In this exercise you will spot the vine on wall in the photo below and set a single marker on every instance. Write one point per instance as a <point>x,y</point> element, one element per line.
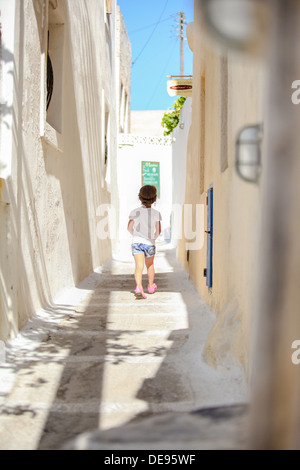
<point>171,120</point>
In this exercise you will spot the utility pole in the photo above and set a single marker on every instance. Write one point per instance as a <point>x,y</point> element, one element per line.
<point>181,22</point>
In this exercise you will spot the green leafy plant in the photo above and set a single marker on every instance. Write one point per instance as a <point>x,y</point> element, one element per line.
<point>171,120</point>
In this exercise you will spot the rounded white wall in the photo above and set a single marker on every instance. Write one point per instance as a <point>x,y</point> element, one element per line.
<point>179,155</point>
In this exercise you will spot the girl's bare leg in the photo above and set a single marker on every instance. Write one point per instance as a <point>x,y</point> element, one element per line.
<point>139,267</point>
<point>150,270</point>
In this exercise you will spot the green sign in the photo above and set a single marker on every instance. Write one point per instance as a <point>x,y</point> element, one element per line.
<point>151,175</point>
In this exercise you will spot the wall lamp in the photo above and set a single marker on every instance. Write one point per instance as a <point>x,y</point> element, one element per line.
<point>239,24</point>
<point>248,153</point>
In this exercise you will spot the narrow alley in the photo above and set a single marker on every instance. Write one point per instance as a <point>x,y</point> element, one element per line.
<point>98,361</point>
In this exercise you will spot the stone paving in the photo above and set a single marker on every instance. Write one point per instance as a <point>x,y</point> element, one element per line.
<point>99,369</point>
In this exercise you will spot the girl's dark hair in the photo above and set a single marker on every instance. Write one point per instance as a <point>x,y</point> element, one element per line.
<point>148,194</point>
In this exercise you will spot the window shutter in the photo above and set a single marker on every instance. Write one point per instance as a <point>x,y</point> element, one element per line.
<point>109,7</point>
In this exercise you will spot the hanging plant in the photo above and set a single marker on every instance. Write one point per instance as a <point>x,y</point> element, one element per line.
<point>171,120</point>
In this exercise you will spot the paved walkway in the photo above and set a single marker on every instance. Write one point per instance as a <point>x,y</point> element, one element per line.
<point>100,362</point>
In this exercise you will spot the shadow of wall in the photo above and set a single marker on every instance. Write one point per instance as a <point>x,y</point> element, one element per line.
<point>93,343</point>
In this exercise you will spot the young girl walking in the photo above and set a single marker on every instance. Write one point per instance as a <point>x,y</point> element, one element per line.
<point>145,226</point>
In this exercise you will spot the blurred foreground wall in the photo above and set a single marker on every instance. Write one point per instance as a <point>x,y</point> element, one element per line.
<point>256,246</point>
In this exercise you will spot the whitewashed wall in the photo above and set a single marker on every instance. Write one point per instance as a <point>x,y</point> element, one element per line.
<point>132,151</point>
<point>179,156</point>
<point>53,182</point>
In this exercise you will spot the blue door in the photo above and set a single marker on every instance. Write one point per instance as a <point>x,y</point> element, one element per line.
<point>209,231</point>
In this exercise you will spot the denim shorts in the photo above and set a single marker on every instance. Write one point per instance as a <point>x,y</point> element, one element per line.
<point>148,250</point>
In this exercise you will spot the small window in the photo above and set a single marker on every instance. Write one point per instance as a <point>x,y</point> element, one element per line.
<point>105,150</point>
<point>106,138</point>
<point>108,7</point>
<point>50,77</point>
<point>125,119</point>
<point>105,128</point>
<point>107,147</point>
<point>108,13</point>
<point>224,113</point>
<point>202,135</point>
<point>121,108</point>
<point>55,67</point>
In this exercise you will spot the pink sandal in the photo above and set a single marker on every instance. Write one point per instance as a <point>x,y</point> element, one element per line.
<point>139,293</point>
<point>151,290</point>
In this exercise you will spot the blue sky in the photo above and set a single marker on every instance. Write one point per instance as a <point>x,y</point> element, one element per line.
<point>151,26</point>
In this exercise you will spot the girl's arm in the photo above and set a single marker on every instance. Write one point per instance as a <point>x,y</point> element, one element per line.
<point>130,226</point>
<point>158,230</point>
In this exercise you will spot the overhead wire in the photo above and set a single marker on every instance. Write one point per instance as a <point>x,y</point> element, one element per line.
<point>150,25</point>
<point>150,37</point>
<point>163,72</point>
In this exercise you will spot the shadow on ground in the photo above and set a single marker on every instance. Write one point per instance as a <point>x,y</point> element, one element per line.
<point>61,361</point>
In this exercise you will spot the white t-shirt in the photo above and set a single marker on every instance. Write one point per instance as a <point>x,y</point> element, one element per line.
<point>144,226</point>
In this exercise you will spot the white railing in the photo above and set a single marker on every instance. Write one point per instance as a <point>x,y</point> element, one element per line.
<point>136,139</point>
